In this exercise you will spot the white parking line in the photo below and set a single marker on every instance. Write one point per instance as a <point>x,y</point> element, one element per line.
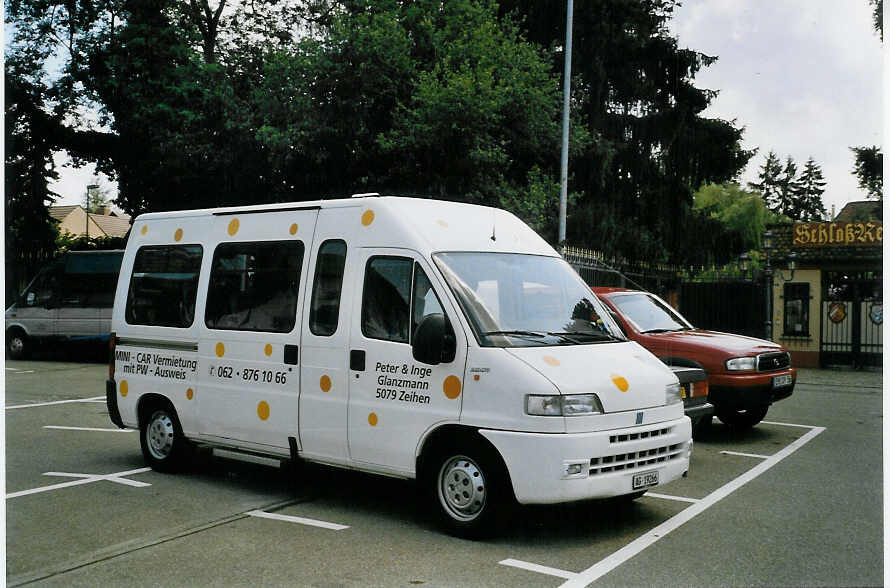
<point>92,399</point>
<point>524,565</point>
<point>89,429</point>
<point>85,479</point>
<point>669,497</point>
<point>740,454</point>
<point>608,564</point>
<point>19,371</point>
<point>299,520</point>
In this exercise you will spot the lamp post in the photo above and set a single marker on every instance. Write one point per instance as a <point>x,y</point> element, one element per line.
<point>768,282</point>
<point>564,158</point>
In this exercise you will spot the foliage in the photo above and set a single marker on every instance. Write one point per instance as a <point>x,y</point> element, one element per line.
<point>251,101</point>
<point>798,197</point>
<point>878,16</point>
<point>30,231</point>
<point>742,212</point>
<point>68,242</point>
<point>869,169</point>
<point>650,147</point>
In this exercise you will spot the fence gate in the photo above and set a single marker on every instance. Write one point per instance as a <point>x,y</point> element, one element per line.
<point>731,306</point>
<point>852,319</point>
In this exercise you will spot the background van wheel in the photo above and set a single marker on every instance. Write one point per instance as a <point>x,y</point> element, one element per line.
<point>469,486</point>
<point>163,445</point>
<point>17,344</point>
<point>742,419</point>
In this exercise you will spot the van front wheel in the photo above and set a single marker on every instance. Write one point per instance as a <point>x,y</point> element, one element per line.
<point>469,489</point>
<point>163,444</point>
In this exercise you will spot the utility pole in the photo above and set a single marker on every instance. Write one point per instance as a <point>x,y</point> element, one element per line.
<point>564,160</point>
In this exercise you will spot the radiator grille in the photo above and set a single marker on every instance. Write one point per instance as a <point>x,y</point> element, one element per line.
<point>639,435</point>
<point>634,459</point>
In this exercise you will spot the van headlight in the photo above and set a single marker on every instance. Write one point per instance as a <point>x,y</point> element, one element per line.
<point>672,394</point>
<point>738,364</point>
<point>563,405</point>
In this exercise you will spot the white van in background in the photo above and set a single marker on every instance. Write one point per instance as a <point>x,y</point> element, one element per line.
<point>70,299</point>
<point>407,337</point>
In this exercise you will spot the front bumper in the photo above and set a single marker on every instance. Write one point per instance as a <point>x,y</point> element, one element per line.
<point>539,463</point>
<point>743,390</point>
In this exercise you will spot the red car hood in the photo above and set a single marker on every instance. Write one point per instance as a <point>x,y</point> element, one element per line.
<point>711,341</point>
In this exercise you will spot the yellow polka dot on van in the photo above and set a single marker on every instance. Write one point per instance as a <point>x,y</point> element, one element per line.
<point>442,224</point>
<point>325,383</point>
<point>294,228</point>
<point>268,349</point>
<point>451,387</point>
<point>189,393</point>
<point>620,382</point>
<point>144,229</point>
<point>177,236</point>
<point>550,360</point>
<point>262,410</point>
<point>233,226</point>
<point>372,419</point>
<point>220,349</point>
<point>367,217</point>
<point>124,388</point>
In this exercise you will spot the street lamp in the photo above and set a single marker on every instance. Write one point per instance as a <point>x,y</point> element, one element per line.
<point>767,244</point>
<point>89,188</point>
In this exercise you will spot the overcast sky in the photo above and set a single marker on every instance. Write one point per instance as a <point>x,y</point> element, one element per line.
<point>802,76</point>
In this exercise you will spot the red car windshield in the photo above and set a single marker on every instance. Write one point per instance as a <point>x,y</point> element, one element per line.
<point>649,314</point>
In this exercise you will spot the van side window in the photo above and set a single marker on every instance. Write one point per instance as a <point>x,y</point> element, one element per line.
<point>425,301</point>
<point>164,285</point>
<point>254,285</point>
<point>325,309</point>
<point>386,298</point>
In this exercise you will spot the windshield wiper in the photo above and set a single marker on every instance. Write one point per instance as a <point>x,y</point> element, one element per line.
<point>569,336</point>
<point>515,333</point>
<point>662,330</point>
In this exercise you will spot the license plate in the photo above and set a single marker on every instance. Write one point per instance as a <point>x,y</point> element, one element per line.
<point>645,480</point>
<point>779,381</point>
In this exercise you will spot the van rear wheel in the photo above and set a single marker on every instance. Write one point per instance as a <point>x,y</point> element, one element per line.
<point>163,444</point>
<point>17,344</point>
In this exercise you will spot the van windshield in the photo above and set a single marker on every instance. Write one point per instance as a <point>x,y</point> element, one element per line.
<point>519,300</point>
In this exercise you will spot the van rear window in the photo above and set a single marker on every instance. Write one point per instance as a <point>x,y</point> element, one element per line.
<point>254,286</point>
<point>164,285</point>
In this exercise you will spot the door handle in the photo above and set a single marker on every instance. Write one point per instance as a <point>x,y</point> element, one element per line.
<point>357,360</point>
<point>292,354</point>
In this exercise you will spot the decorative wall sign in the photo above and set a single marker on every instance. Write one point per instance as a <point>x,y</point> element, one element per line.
<point>838,234</point>
<point>876,313</point>
<point>837,312</point>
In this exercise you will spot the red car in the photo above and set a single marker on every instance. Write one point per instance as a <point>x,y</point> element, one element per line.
<point>745,375</point>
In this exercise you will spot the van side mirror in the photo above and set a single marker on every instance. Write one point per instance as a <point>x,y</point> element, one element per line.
<point>434,341</point>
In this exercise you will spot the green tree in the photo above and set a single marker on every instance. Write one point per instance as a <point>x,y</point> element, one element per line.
<point>868,168</point>
<point>811,185</point>
<point>649,146</point>
<point>743,212</point>
<point>30,231</point>
<point>769,184</point>
<point>878,16</point>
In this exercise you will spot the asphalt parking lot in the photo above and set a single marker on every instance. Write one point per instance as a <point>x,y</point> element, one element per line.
<point>797,501</point>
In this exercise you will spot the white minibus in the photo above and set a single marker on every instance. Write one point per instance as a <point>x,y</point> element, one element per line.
<point>407,337</point>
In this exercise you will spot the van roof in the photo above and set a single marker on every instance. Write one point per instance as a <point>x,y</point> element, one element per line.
<point>395,221</point>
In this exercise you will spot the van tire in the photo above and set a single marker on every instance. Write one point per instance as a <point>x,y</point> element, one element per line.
<point>18,346</point>
<point>164,446</point>
<point>742,419</point>
<point>469,487</point>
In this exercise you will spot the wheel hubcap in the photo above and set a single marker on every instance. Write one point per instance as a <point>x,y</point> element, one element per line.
<point>462,488</point>
<point>16,344</point>
<point>159,435</point>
